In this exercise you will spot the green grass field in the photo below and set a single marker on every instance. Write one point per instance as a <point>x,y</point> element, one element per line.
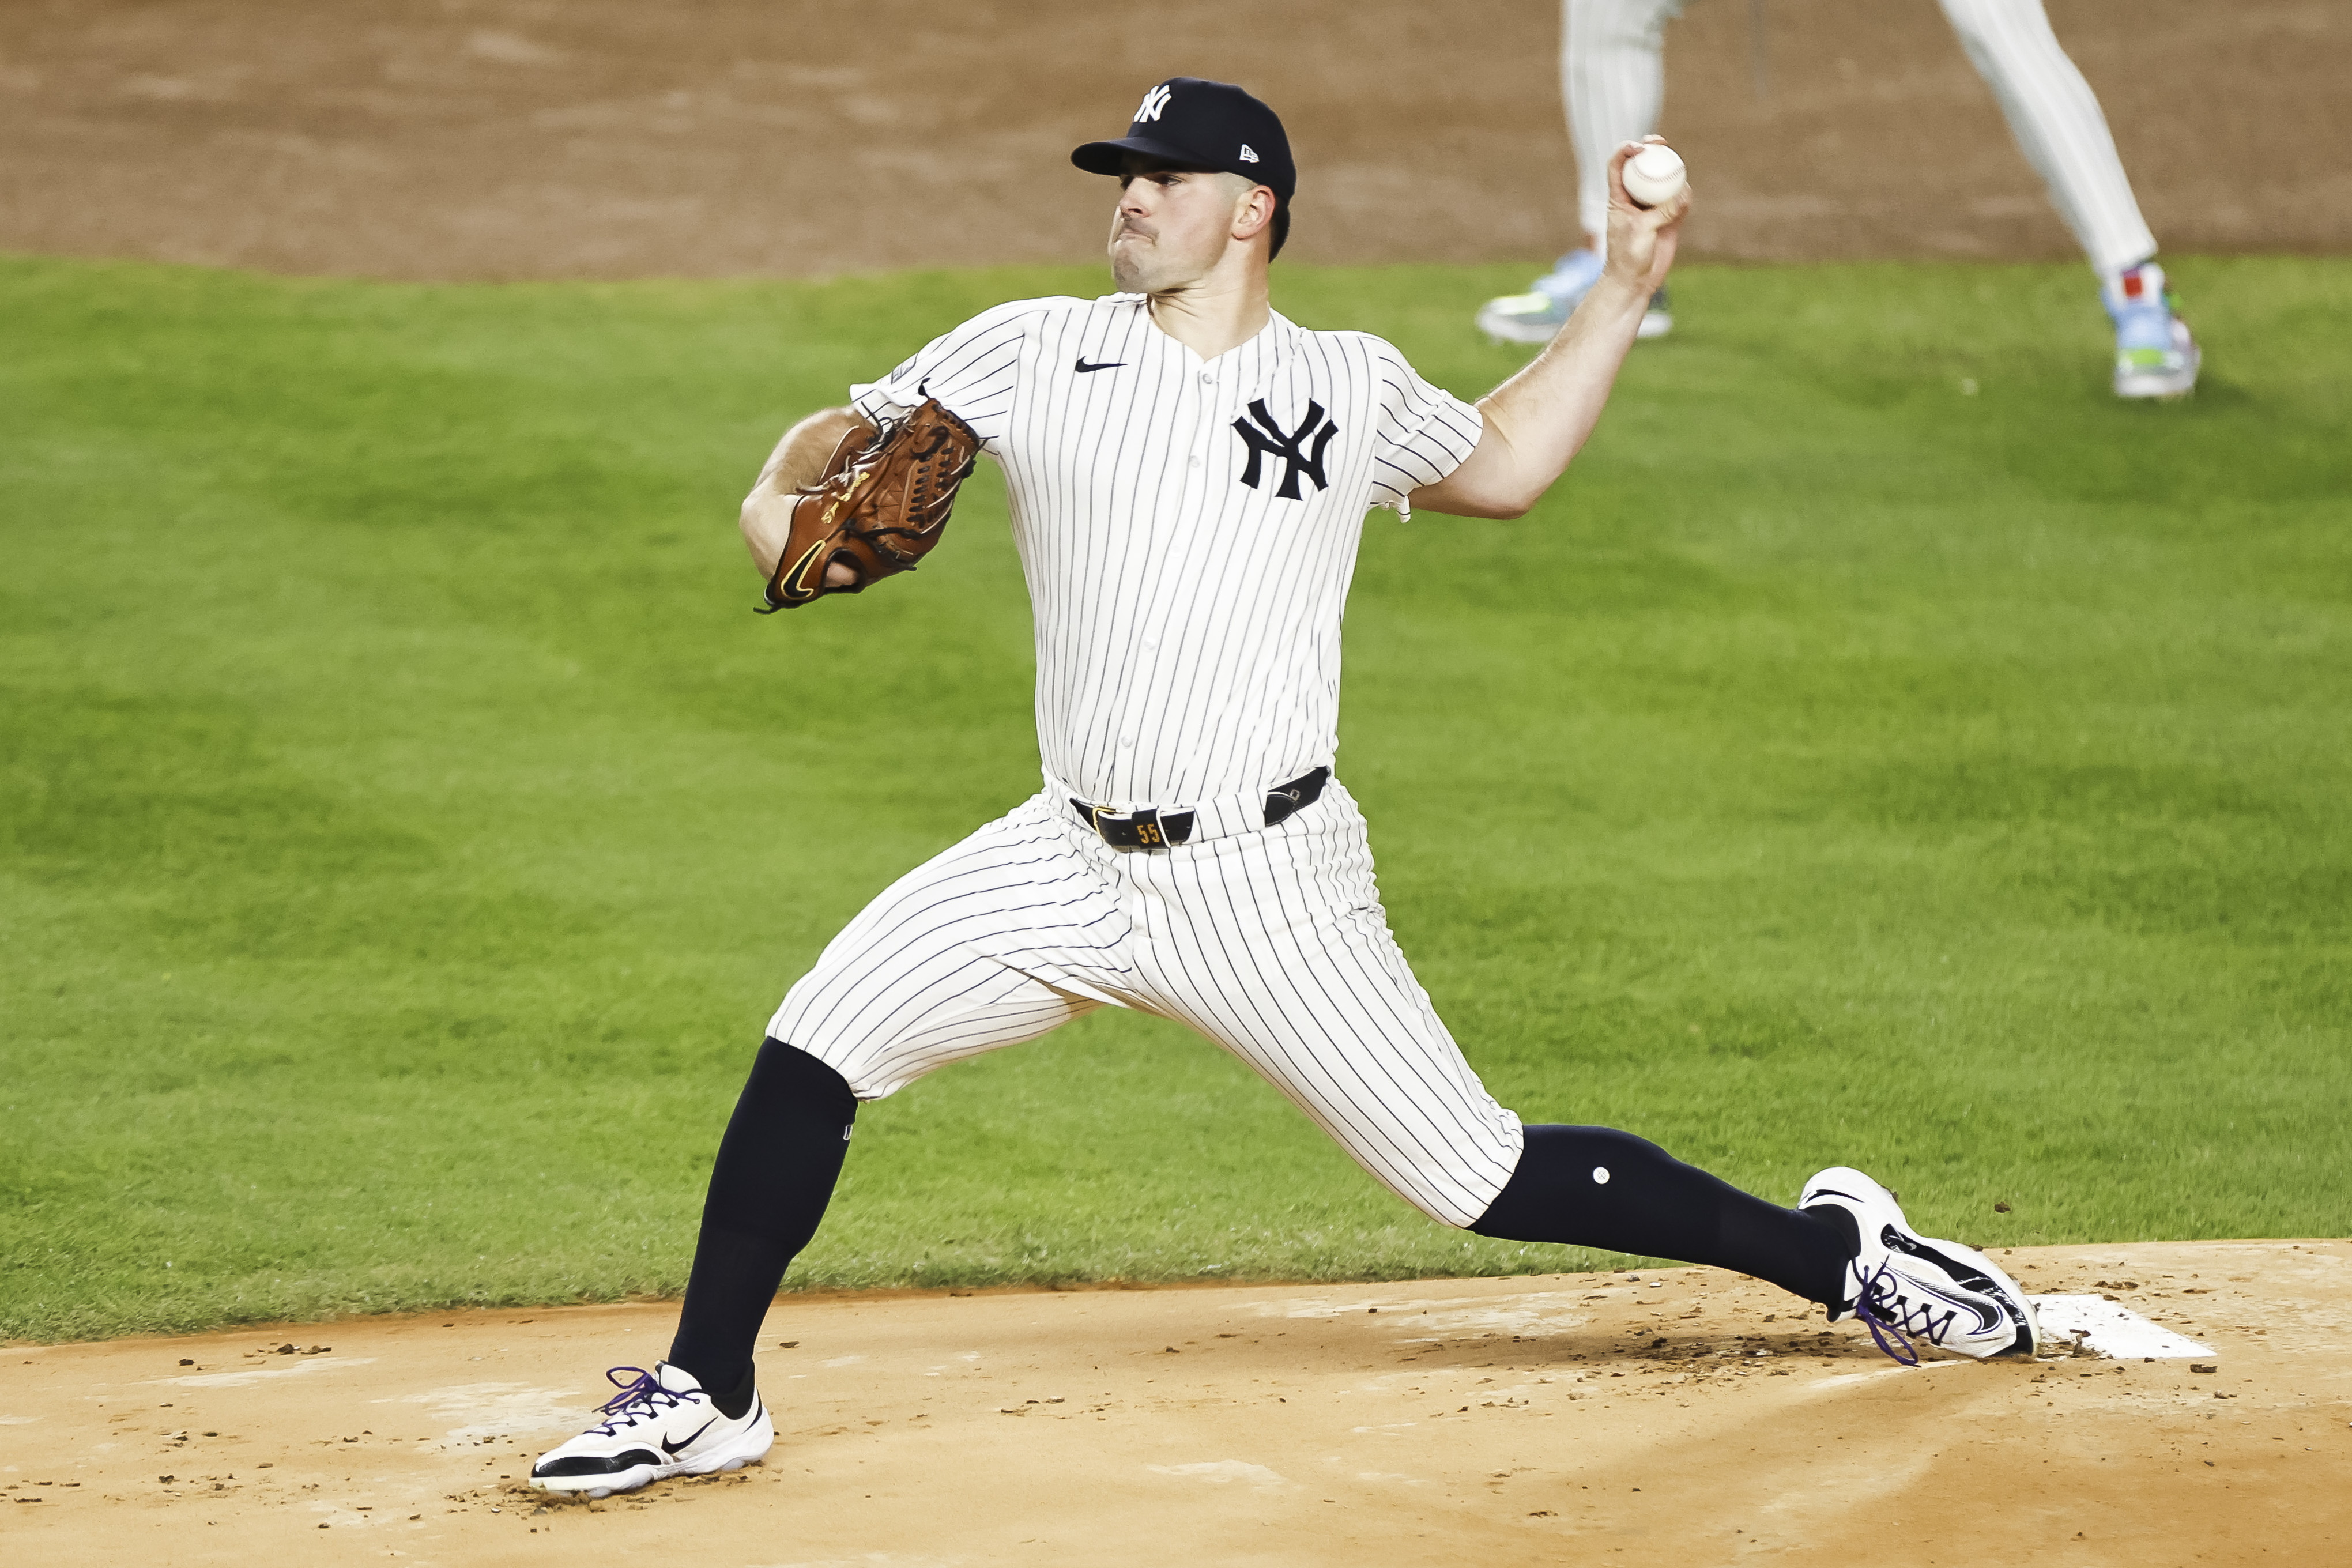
<point>406,827</point>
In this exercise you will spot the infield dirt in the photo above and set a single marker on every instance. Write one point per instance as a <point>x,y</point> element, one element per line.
<point>452,139</point>
<point>1679,1415</point>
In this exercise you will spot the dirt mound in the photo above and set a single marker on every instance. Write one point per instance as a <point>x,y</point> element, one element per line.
<point>1678,1416</point>
<point>607,138</point>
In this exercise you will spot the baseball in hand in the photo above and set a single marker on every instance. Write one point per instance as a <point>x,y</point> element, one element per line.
<point>1653,176</point>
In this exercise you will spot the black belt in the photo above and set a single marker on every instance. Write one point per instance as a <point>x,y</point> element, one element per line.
<point>1153,829</point>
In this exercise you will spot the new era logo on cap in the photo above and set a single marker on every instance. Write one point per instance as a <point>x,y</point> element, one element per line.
<point>1248,156</point>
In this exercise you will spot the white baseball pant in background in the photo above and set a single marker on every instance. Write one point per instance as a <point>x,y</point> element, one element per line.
<point>1272,944</point>
<point>1613,78</point>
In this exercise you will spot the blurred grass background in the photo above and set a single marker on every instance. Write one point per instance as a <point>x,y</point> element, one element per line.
<point>1883,747</point>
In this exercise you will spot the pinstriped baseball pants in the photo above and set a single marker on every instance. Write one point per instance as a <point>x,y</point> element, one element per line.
<point>1613,78</point>
<point>1271,943</point>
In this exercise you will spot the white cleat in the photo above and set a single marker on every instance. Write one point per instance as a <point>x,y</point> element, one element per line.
<point>1532,318</point>
<point>1907,1288</point>
<point>660,1425</point>
<point>2156,354</point>
<point>2168,371</point>
<point>1537,316</point>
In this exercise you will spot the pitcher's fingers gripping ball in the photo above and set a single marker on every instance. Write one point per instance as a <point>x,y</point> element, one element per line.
<point>1644,233</point>
<point>1654,176</point>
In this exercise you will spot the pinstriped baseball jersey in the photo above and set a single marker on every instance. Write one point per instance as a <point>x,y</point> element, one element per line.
<point>1187,528</point>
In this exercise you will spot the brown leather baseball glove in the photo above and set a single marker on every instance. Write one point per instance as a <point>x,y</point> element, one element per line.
<point>878,508</point>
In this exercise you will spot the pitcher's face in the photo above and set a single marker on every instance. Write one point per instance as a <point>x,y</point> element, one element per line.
<point>1172,225</point>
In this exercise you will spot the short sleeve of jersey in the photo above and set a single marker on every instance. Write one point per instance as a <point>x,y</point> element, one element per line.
<point>972,371</point>
<point>1423,433</point>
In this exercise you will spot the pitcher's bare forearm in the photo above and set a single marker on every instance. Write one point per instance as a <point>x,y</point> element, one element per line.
<point>1541,417</point>
<point>799,458</point>
<point>1539,420</point>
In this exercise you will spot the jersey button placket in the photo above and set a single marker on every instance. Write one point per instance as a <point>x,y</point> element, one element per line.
<point>1204,430</point>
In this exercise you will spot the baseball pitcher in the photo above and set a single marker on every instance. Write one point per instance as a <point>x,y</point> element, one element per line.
<point>1189,474</point>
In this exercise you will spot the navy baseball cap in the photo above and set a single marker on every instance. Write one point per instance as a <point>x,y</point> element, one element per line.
<point>1198,124</point>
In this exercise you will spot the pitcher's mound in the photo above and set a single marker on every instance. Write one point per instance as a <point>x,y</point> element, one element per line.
<point>1677,1417</point>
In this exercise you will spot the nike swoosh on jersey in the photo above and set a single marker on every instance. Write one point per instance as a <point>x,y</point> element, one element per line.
<point>671,1448</point>
<point>1086,369</point>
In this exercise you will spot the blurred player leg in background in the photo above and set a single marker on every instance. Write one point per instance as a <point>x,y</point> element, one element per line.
<point>1612,80</point>
<point>2056,119</point>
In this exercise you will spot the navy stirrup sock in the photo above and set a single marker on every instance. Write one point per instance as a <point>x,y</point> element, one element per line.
<point>769,1187</point>
<point>1583,1187</point>
<point>1595,1186</point>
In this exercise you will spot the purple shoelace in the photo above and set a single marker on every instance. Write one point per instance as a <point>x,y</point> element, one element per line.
<point>644,1389</point>
<point>1889,1333</point>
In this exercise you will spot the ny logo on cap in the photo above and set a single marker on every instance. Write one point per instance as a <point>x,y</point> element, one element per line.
<point>1267,438</point>
<point>1153,102</point>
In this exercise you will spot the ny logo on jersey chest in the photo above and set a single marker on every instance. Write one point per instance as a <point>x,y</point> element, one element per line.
<point>1266,438</point>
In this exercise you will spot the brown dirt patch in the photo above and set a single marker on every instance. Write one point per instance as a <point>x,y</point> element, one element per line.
<point>609,138</point>
<point>1478,1422</point>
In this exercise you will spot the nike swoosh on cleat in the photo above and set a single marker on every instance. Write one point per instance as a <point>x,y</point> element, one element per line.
<point>1988,1319</point>
<point>1086,369</point>
<point>671,1448</point>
